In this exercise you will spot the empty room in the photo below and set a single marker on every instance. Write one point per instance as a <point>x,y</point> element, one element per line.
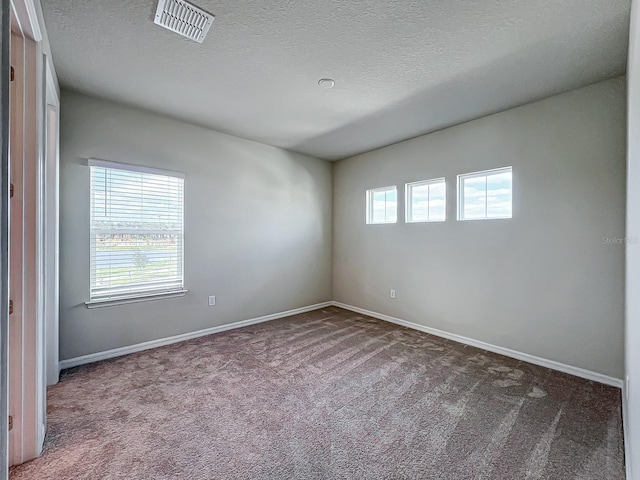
<point>322,239</point>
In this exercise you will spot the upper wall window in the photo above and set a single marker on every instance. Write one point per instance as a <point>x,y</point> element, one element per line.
<point>137,231</point>
<point>426,201</point>
<point>382,205</point>
<point>485,195</point>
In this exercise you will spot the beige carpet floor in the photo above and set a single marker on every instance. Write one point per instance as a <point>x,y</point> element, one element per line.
<point>329,394</point>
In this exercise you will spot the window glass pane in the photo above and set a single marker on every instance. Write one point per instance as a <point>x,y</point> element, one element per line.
<point>419,200</point>
<point>382,205</point>
<point>499,195</point>
<point>437,201</point>
<point>426,201</point>
<point>391,206</point>
<point>486,195</point>
<point>136,262</point>
<point>378,207</point>
<point>474,190</point>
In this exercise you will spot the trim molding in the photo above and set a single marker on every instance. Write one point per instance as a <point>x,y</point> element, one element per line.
<point>26,13</point>
<point>36,31</point>
<point>145,297</point>
<point>543,362</point>
<point>625,431</point>
<point>139,347</point>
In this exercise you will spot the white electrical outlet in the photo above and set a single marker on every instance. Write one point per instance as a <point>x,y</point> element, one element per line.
<point>212,300</point>
<point>392,293</point>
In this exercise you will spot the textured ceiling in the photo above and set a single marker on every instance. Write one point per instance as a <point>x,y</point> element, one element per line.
<point>402,67</point>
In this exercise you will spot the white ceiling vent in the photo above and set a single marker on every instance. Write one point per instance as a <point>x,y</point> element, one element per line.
<point>183,18</point>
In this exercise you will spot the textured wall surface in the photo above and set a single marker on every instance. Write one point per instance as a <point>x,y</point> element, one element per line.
<point>402,67</point>
<point>544,282</point>
<point>257,226</point>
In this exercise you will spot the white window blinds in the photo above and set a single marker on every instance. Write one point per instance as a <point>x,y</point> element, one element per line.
<point>137,230</point>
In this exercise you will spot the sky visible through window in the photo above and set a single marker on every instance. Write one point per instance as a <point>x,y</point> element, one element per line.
<point>487,196</point>
<point>427,201</point>
<point>383,205</point>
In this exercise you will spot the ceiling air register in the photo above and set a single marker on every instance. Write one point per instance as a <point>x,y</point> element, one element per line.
<point>183,18</point>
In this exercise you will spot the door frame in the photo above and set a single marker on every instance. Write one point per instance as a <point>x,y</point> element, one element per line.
<point>50,211</point>
<point>38,264</point>
<point>5,65</point>
<point>26,360</point>
<point>28,13</point>
<point>17,318</point>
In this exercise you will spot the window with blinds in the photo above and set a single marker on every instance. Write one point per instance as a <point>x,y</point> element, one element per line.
<point>137,231</point>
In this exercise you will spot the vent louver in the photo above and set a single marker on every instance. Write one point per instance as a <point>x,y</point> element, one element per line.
<point>183,18</point>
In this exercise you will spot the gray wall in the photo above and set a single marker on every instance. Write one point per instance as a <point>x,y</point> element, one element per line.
<point>257,226</point>
<point>544,282</point>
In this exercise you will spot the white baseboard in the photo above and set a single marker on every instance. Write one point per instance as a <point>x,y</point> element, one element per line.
<point>543,362</point>
<point>118,352</point>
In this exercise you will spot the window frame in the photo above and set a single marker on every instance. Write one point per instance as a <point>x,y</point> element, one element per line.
<point>408,189</point>
<point>369,204</point>
<point>483,173</point>
<point>143,294</point>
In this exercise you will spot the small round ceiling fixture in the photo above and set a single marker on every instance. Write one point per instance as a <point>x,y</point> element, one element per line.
<point>326,83</point>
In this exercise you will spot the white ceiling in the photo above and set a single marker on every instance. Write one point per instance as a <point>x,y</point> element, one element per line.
<point>402,67</point>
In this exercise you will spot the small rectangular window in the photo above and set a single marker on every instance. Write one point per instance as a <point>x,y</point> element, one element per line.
<point>382,205</point>
<point>485,195</point>
<point>426,201</point>
<point>136,231</point>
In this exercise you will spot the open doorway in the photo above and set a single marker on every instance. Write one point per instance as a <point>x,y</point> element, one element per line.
<point>30,234</point>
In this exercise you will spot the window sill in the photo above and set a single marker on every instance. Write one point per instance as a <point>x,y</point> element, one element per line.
<point>108,302</point>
